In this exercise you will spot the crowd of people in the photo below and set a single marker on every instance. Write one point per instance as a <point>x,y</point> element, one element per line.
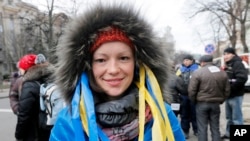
<point>207,87</point>
<point>118,85</point>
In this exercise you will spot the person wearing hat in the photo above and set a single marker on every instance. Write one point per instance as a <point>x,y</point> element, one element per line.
<point>237,75</point>
<point>187,110</point>
<point>208,88</point>
<point>112,73</point>
<point>34,69</point>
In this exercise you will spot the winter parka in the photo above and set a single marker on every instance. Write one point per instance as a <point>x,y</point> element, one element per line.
<point>74,62</point>
<point>207,86</point>
<point>28,107</point>
<point>15,94</point>
<point>176,86</point>
<point>185,73</point>
<point>237,75</point>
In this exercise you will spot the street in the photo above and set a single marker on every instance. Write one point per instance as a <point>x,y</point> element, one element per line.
<point>8,119</point>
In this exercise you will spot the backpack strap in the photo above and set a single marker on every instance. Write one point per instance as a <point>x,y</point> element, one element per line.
<point>38,83</point>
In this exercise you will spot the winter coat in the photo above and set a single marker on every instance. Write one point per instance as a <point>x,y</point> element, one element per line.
<point>176,84</point>
<point>28,107</point>
<point>185,73</point>
<point>74,60</point>
<point>15,94</point>
<point>209,84</point>
<point>237,75</point>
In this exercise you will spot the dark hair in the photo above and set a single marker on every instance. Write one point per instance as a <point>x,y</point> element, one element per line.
<point>188,56</point>
<point>230,50</point>
<point>15,74</point>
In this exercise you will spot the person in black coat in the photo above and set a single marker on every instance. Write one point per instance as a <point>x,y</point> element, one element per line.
<point>176,85</point>
<point>35,69</point>
<point>237,75</point>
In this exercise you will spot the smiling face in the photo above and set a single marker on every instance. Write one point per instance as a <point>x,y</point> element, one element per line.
<point>113,67</point>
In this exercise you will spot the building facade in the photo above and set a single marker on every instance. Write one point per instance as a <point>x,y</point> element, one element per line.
<point>25,29</point>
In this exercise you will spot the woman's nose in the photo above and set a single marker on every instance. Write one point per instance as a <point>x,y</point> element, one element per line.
<point>113,67</point>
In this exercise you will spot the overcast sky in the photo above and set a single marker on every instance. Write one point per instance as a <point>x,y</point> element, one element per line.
<point>160,13</point>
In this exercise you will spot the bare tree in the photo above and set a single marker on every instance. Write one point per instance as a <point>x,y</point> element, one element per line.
<point>13,51</point>
<point>227,14</point>
<point>46,27</point>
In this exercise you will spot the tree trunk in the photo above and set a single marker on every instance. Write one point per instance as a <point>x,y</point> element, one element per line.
<point>243,38</point>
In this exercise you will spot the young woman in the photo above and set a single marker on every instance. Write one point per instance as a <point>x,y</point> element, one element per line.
<point>112,72</point>
<point>34,69</point>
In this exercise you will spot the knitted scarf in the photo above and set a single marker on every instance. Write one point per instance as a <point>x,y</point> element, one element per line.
<point>127,132</point>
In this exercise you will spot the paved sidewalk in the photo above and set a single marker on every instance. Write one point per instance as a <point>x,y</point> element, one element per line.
<point>4,93</point>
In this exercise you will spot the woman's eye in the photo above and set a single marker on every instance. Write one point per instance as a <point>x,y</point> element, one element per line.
<point>99,60</point>
<point>125,58</point>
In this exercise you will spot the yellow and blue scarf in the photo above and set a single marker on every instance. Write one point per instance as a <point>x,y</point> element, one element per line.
<point>149,91</point>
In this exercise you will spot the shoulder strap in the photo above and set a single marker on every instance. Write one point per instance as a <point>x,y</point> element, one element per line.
<point>38,83</point>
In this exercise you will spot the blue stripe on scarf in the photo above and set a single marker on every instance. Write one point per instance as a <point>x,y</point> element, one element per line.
<point>151,92</point>
<point>94,130</point>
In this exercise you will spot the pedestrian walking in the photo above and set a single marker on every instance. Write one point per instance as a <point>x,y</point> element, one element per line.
<point>35,69</point>
<point>237,75</point>
<point>112,73</point>
<point>208,88</point>
<point>187,113</point>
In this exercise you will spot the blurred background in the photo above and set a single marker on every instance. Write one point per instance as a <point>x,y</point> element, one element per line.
<point>194,27</point>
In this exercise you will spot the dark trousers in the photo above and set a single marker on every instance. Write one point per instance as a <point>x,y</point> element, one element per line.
<point>208,113</point>
<point>188,114</point>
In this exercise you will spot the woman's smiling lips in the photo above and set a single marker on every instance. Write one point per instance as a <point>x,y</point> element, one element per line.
<point>114,82</point>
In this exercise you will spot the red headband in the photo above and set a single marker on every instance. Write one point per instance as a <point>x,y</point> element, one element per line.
<point>112,34</point>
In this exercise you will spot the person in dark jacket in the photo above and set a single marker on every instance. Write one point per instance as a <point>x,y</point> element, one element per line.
<point>13,79</point>
<point>35,69</point>
<point>187,113</point>
<point>176,84</point>
<point>208,88</point>
<point>237,75</point>
<point>14,94</point>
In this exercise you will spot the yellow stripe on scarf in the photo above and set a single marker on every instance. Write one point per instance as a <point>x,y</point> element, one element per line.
<point>161,130</point>
<point>83,115</point>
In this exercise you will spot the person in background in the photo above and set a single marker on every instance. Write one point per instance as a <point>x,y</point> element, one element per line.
<point>13,79</point>
<point>14,93</point>
<point>175,84</point>
<point>187,112</point>
<point>35,69</point>
<point>237,75</point>
<point>112,74</point>
<point>208,88</point>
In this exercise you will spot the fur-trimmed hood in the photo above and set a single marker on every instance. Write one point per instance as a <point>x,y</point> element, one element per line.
<point>42,73</point>
<point>73,49</point>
